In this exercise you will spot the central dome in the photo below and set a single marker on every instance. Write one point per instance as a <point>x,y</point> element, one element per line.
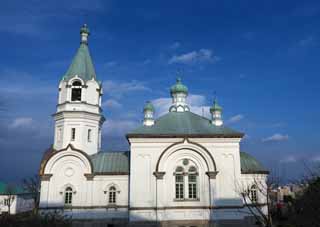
<point>178,88</point>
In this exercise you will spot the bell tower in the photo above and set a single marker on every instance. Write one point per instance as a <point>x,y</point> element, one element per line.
<point>79,118</point>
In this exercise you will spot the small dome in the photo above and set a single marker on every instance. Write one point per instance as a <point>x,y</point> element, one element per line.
<point>250,165</point>
<point>179,87</point>
<point>84,29</point>
<point>148,107</point>
<point>215,106</point>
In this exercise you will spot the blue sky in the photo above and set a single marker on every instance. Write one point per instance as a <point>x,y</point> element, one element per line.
<point>260,57</point>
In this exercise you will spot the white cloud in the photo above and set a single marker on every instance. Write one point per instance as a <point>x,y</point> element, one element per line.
<point>110,64</point>
<point>118,89</point>
<point>289,159</point>
<point>202,55</point>
<point>235,118</point>
<point>175,45</point>
<point>21,122</point>
<point>316,158</point>
<point>275,138</point>
<point>195,102</point>
<point>112,103</point>
<point>119,127</point>
<point>307,41</point>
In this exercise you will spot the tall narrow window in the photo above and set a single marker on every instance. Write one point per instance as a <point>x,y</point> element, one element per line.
<point>179,183</point>
<point>68,196</point>
<point>73,134</point>
<point>112,195</point>
<point>192,183</point>
<point>76,91</point>
<point>89,135</point>
<point>253,194</point>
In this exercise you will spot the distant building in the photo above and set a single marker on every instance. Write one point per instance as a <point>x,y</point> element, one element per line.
<point>180,167</point>
<point>18,200</point>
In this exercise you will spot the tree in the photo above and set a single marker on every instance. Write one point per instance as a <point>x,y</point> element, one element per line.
<point>32,185</point>
<point>10,192</point>
<point>256,197</point>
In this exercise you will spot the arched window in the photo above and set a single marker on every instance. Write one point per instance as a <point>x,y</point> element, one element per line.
<point>112,195</point>
<point>68,196</point>
<point>192,183</point>
<point>179,178</point>
<point>253,194</point>
<point>76,91</point>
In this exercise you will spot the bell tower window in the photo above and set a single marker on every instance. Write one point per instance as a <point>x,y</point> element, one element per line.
<point>73,134</point>
<point>76,89</point>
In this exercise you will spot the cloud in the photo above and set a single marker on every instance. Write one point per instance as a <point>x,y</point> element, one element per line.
<point>119,127</point>
<point>277,137</point>
<point>118,89</point>
<point>21,122</point>
<point>175,45</point>
<point>307,41</point>
<point>235,118</point>
<point>195,102</point>
<point>110,64</point>
<point>112,104</point>
<point>316,158</point>
<point>289,159</point>
<point>202,55</point>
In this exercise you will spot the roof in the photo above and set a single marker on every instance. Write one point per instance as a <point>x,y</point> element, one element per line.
<point>3,189</point>
<point>110,162</point>
<point>179,87</point>
<point>148,107</point>
<point>81,65</point>
<point>177,124</point>
<point>215,106</point>
<point>250,165</point>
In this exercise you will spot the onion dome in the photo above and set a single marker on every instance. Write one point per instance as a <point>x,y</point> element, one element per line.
<point>84,29</point>
<point>215,106</point>
<point>148,107</point>
<point>178,88</point>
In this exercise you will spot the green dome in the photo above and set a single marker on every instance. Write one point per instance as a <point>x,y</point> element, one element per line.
<point>84,29</point>
<point>179,87</point>
<point>249,165</point>
<point>215,106</point>
<point>148,107</point>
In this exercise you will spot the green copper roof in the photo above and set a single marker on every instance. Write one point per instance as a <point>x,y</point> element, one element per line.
<point>3,189</point>
<point>110,162</point>
<point>176,124</point>
<point>250,165</point>
<point>179,87</point>
<point>148,106</point>
<point>84,29</point>
<point>81,65</point>
<point>215,106</point>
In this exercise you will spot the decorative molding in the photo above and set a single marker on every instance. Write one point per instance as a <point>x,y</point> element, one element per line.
<point>82,207</point>
<point>89,176</point>
<point>159,175</point>
<point>45,177</point>
<point>212,174</point>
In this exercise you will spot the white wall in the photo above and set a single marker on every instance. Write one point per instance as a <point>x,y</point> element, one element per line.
<point>19,204</point>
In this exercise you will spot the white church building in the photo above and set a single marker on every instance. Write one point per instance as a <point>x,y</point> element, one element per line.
<point>180,168</point>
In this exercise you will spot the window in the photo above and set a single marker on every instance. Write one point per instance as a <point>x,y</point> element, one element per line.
<point>192,182</point>
<point>253,194</point>
<point>68,196</point>
<point>89,135</point>
<point>186,183</point>
<point>59,134</point>
<point>73,134</point>
<point>6,202</point>
<point>179,183</point>
<point>112,195</point>
<point>76,91</point>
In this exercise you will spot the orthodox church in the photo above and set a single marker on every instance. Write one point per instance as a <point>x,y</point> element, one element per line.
<point>180,168</point>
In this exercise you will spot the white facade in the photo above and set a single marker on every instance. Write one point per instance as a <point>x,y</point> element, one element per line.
<point>169,177</point>
<point>19,203</point>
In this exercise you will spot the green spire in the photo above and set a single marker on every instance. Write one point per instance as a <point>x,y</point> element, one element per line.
<point>82,64</point>
<point>179,87</point>
<point>215,106</point>
<point>148,107</point>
